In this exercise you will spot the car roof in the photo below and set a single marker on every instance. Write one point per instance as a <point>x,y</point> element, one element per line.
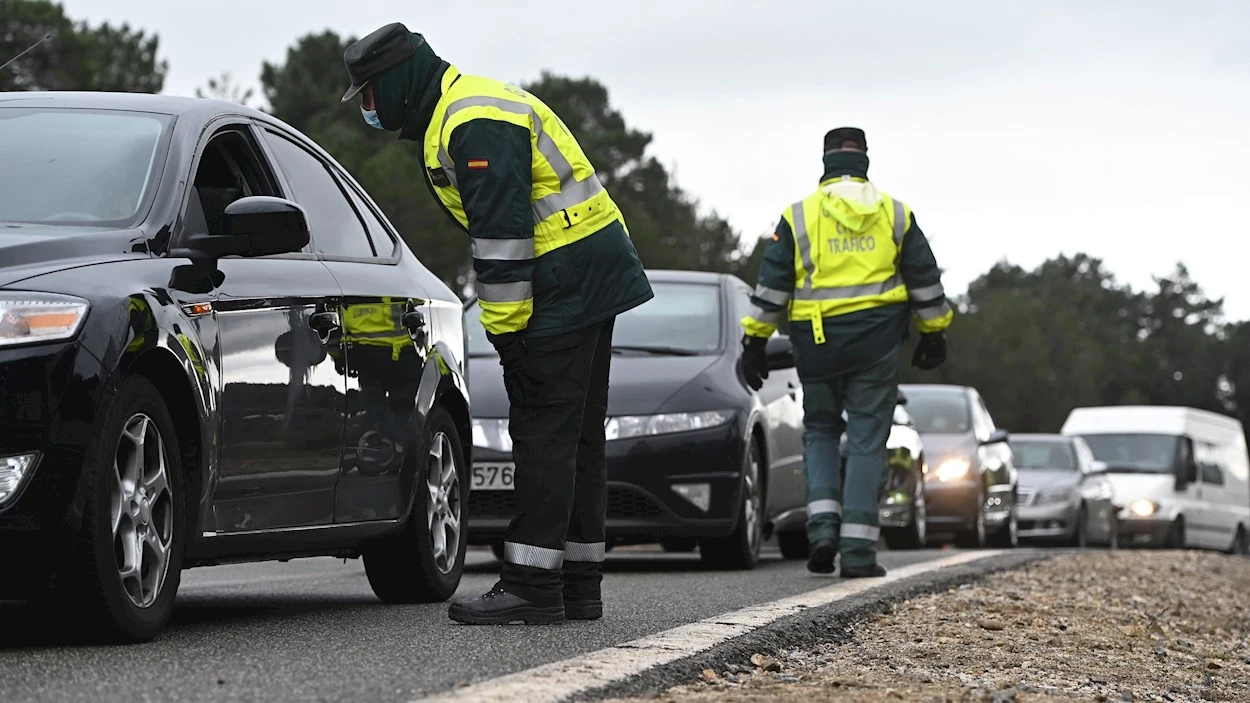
<point>1040,437</point>
<point>142,102</point>
<point>949,388</point>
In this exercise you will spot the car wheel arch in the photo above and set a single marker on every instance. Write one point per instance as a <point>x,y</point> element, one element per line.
<point>165,370</point>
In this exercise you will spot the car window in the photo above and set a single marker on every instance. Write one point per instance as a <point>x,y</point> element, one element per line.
<point>1050,455</point>
<point>1135,453</point>
<point>78,167</point>
<point>336,228</point>
<point>383,243</point>
<point>229,168</point>
<point>939,412</point>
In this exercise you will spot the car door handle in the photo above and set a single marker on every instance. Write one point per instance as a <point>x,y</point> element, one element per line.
<point>324,323</point>
<point>413,320</point>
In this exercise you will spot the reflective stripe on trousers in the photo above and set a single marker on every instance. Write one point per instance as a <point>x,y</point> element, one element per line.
<point>572,192</point>
<point>854,531</point>
<point>585,551</point>
<point>840,292</point>
<point>824,507</point>
<point>529,555</point>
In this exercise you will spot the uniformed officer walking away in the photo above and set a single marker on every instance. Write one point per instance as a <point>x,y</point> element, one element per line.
<point>554,267</point>
<point>851,266</point>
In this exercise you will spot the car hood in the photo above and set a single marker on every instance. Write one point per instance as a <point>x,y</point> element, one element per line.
<point>31,250</point>
<point>1128,487</point>
<point>1034,479</point>
<point>939,446</point>
<point>639,385</point>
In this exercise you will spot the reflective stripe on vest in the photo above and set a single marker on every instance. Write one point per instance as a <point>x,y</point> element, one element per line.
<point>841,292</point>
<point>572,191</point>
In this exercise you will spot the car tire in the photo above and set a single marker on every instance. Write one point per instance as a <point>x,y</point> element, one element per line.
<point>409,566</point>
<point>1080,535</point>
<point>793,544</point>
<point>915,535</point>
<point>134,509</point>
<point>1175,538</point>
<point>976,537</point>
<point>1241,544</point>
<point>1113,532</point>
<point>740,549</point>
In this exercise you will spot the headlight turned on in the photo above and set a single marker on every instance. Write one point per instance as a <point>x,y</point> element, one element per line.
<point>954,468</point>
<point>1143,508</point>
<point>31,318</point>
<point>628,426</point>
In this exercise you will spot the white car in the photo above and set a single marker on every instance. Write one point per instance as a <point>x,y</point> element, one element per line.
<point>1181,476</point>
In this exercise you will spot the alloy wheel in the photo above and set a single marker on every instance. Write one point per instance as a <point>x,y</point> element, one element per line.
<point>444,507</point>
<point>141,510</point>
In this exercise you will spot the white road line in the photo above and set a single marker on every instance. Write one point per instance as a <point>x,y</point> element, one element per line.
<point>555,682</point>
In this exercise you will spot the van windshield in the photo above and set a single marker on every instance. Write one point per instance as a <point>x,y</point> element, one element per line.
<point>1135,453</point>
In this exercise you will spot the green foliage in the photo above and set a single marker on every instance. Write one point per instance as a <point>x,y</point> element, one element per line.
<point>79,56</point>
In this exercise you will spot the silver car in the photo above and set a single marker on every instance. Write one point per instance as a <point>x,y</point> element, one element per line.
<point>1064,493</point>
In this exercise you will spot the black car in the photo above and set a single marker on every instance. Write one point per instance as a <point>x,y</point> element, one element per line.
<point>196,367</point>
<point>971,487</point>
<point>694,455</point>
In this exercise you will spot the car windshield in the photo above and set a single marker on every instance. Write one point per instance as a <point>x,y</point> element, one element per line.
<point>77,167</point>
<point>1135,453</point>
<point>683,319</point>
<point>939,412</point>
<point>1051,456</point>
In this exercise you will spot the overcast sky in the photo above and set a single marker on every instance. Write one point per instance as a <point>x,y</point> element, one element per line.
<point>1115,128</point>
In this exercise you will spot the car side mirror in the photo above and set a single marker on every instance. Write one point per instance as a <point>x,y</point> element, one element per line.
<point>780,352</point>
<point>996,437</point>
<point>902,399</point>
<point>1097,467</point>
<point>257,225</point>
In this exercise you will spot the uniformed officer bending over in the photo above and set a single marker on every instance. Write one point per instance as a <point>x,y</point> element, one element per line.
<point>851,266</point>
<point>555,266</point>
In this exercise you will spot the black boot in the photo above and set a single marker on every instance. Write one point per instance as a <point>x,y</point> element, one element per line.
<point>498,607</point>
<point>820,558</point>
<point>863,572</point>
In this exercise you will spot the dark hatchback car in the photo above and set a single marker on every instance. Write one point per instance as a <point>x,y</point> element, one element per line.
<point>972,483</point>
<point>195,366</point>
<point>694,455</point>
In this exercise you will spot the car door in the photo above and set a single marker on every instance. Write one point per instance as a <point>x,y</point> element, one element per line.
<point>282,406</point>
<point>383,317</point>
<point>996,459</point>
<point>782,398</point>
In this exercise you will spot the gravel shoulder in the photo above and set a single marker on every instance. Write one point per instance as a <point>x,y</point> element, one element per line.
<point>1087,626</point>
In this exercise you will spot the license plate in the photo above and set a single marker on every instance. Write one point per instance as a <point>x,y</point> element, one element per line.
<point>493,477</point>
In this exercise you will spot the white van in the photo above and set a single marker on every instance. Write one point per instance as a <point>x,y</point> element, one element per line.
<point>1181,476</point>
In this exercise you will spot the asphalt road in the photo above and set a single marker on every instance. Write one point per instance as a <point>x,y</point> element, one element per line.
<point>312,630</point>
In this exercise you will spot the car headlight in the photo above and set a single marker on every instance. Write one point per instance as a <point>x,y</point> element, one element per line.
<point>31,318</point>
<point>954,468</point>
<point>1055,495</point>
<point>492,434</point>
<point>627,426</point>
<point>1143,508</point>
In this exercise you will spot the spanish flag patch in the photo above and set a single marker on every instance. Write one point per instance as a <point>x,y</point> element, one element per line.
<point>477,164</point>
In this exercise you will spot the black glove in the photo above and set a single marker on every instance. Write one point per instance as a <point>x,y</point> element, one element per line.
<point>930,351</point>
<point>511,349</point>
<point>754,361</point>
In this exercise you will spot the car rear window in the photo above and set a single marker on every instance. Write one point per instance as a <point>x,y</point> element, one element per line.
<point>77,167</point>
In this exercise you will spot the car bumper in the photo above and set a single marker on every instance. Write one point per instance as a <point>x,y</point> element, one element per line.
<point>951,505</point>
<point>48,400</point>
<point>1143,531</point>
<point>642,504</point>
<point>1047,521</point>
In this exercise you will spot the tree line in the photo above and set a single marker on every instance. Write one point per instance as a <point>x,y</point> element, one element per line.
<point>1036,343</point>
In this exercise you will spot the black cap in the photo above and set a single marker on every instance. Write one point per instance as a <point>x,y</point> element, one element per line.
<point>835,137</point>
<point>366,58</point>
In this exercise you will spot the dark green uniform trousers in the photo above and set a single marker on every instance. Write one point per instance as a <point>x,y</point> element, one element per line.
<point>554,546</point>
<point>846,511</point>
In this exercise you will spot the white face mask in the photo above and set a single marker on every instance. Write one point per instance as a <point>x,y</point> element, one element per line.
<point>371,118</point>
